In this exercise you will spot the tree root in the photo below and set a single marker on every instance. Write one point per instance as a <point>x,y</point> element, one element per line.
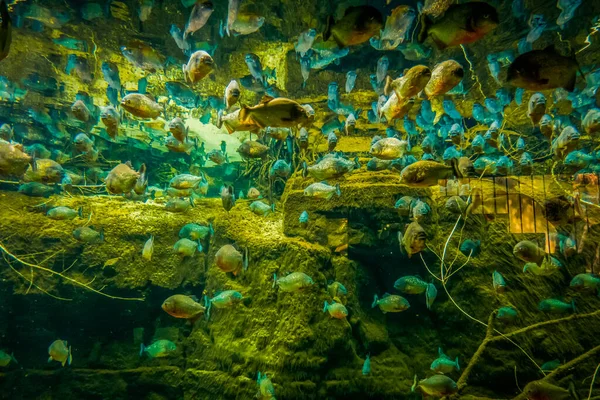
<point>6,253</point>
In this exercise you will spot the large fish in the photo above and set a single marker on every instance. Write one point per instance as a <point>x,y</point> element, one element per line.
<point>198,17</point>
<point>543,70</point>
<point>275,113</point>
<point>199,65</point>
<point>358,25</point>
<point>460,24</point>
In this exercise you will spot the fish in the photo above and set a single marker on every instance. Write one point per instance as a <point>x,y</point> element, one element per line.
<point>555,306</point>
<point>80,111</point>
<point>60,351</point>
<point>262,209</point>
<point>252,149</point>
<point>410,84</point>
<point>498,282</point>
<point>430,296</point>
<point>79,67</point>
<point>550,365</point>
<point>382,68</point>
<point>357,26</point>
<point>294,282</point>
<point>143,56</point>
<point>123,178</point>
<point>280,169</point>
<point>198,17</point>
<point>426,173</point>
<point>196,232</point>
<point>591,121</point>
<point>179,205</point>
<point>413,240</point>
<point>145,10</point>
<point>536,108</point>
<point>224,299</point>
<point>158,349</point>
<point>444,364</point>
<point>182,94</point>
<point>322,190</point>
<point>199,66</point>
<point>233,123</point>
<point>567,11</point>
<point>229,259</point>
<point>71,43</point>
<point>303,219</point>
<point>542,390</point>
<point>177,146</point>
<point>461,24</point>
<point>366,368</point>
<point>506,314</point>
<point>444,77</point>
<point>186,247</point>
<point>397,26</point>
<point>233,7</point>
<point>141,106</point>
<point>566,142</point>
<point>331,141</point>
<point>390,303</point>
<point>88,234</point>
<point>586,282</point>
<point>543,70</point>
<point>305,42</point>
<point>64,213</point>
<point>410,285</point>
<point>247,23</point>
<point>218,157</point>
<point>111,119</point>
<point>330,167</point>
<point>266,390</point>
<point>232,94</point>
<point>276,113</point>
<point>470,247</point>
<point>335,310</point>
<point>148,249</point>
<point>404,205</point>
<point>179,130</point>
<point>182,306</point>
<point>6,359</point>
<point>435,386</point>
<point>36,189</point>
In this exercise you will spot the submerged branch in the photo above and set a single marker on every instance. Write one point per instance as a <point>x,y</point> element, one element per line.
<point>60,275</point>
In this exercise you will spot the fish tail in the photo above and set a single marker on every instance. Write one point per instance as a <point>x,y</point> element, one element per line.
<point>211,229</point>
<point>199,246</point>
<point>70,360</point>
<point>375,300</point>
<point>102,234</point>
<point>12,355</point>
<point>245,260</point>
<point>80,212</point>
<point>273,207</point>
<point>455,169</point>
<point>304,169</point>
<point>274,279</point>
<point>208,307</point>
<point>356,163</point>
<point>142,349</point>
<point>325,305</point>
<point>327,33</point>
<point>338,191</point>
<point>414,385</point>
<point>573,306</point>
<point>425,24</point>
<point>457,365</point>
<point>192,201</point>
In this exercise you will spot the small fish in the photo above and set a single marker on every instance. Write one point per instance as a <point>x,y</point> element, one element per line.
<point>435,386</point>
<point>586,282</point>
<point>537,24</point>
<point>389,148</point>
<point>335,310</point>
<point>262,209</point>
<point>390,303</point>
<point>159,349</point>
<point>554,306</point>
<point>227,197</point>
<point>305,41</point>
<point>410,83</point>
<point>293,282</point>
<point>566,142</point>
<point>303,219</point>
<point>198,17</point>
<point>506,314</point>
<point>544,390</point>
<point>79,67</point>
<point>428,173</point>
<point>471,248</point>
<point>266,390</point>
<point>550,365</point>
<point>366,368</point>
<point>350,81</point>
<point>411,285</point>
<point>88,234</point>
<point>382,68</point>
<point>64,213</point>
<point>528,251</point>
<point>110,72</point>
<point>233,7</point>
<point>276,112</point>
<point>444,77</point>
<point>430,296</point>
<point>182,306</point>
<point>444,364</point>
<point>179,205</point>
<point>187,248</point>
<point>148,249</point>
<point>229,259</point>
<point>591,121</point>
<point>232,94</point>
<point>413,240</point>
<point>60,351</point>
<point>6,359</point>
<point>536,108</point>
<point>397,27</point>
<point>498,282</point>
<point>322,190</point>
<point>141,106</point>
<point>567,10</point>
<point>225,299</point>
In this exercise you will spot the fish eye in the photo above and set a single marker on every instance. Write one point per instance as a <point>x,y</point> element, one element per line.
<point>486,16</point>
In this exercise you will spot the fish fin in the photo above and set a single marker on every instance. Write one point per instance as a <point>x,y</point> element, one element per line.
<point>375,300</point>
<point>414,385</point>
<point>265,99</point>
<point>387,89</point>
<point>80,212</point>
<point>142,348</point>
<point>338,191</point>
<point>456,170</point>
<point>425,24</point>
<point>50,359</point>
<point>70,356</point>
<point>12,355</point>
<point>274,279</point>
<point>386,294</point>
<point>325,305</point>
<point>456,362</point>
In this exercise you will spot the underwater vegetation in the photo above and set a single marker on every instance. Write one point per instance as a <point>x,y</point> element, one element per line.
<point>299,199</point>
